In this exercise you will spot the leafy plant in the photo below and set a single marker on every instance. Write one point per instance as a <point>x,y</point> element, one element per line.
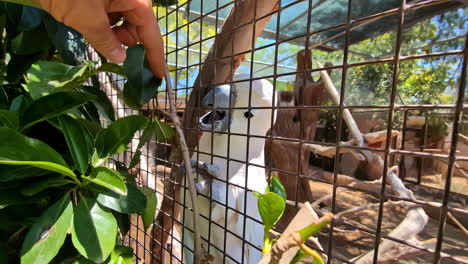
<point>59,203</point>
<point>271,206</point>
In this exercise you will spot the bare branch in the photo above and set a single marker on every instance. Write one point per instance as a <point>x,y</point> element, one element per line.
<point>186,157</point>
<point>373,206</point>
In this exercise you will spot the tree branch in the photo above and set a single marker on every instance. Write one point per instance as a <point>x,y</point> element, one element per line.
<point>186,158</point>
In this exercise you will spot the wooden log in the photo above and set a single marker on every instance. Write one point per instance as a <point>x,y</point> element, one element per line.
<point>330,151</point>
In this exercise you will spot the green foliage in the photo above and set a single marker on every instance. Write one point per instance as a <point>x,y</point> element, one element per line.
<point>277,187</point>
<point>150,210</point>
<point>133,202</point>
<point>94,230</point>
<point>271,207</point>
<point>300,255</point>
<point>142,85</point>
<point>115,138</point>
<point>109,179</point>
<point>312,229</point>
<point>46,236</point>
<point>58,204</point>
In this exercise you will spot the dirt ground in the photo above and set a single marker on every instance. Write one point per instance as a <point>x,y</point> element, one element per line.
<point>352,243</point>
<point>348,242</point>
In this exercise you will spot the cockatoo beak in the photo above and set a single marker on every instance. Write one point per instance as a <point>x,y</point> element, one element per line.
<point>220,99</point>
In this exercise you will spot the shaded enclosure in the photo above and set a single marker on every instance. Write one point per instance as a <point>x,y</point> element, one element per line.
<point>370,124</point>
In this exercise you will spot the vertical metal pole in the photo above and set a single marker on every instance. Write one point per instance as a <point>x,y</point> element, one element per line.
<point>391,113</point>
<point>452,156</point>
<point>339,128</point>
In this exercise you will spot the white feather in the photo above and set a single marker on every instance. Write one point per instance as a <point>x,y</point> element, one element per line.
<point>230,223</point>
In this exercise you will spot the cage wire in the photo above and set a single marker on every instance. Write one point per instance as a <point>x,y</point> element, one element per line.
<point>378,136</point>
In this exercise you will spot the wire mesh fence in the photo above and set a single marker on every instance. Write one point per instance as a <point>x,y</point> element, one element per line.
<point>377,136</point>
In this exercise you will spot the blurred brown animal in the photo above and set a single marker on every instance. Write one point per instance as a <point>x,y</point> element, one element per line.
<point>297,121</point>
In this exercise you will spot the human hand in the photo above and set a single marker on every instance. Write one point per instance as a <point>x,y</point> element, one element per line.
<point>94,18</point>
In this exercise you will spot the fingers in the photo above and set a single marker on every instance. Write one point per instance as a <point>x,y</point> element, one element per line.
<point>105,41</point>
<point>94,18</point>
<point>127,34</point>
<point>148,33</point>
<point>151,38</point>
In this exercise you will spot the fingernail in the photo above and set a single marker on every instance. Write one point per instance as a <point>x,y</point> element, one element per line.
<point>118,55</point>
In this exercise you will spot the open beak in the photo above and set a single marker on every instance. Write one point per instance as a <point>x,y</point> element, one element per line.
<point>219,99</point>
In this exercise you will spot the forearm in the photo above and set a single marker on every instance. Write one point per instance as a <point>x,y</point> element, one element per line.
<point>24,2</point>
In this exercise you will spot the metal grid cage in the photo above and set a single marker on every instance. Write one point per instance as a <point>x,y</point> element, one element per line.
<point>377,136</point>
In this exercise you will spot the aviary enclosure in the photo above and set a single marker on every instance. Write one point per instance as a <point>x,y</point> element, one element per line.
<point>358,107</point>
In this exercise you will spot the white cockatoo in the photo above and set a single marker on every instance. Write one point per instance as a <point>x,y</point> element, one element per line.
<point>244,171</point>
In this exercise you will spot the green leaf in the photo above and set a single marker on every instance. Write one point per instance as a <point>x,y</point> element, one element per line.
<point>313,229</point>
<point>271,207</point>
<point>121,255</point>
<point>19,65</point>
<point>46,236</point>
<point>9,119</point>
<point>163,131</point>
<point>115,138</point>
<point>31,18</point>
<point>94,230</point>
<point>150,211</point>
<point>53,105</point>
<point>148,133</point>
<point>21,171</point>
<point>123,221</point>
<point>83,260</point>
<point>45,77</point>
<point>93,127</point>
<point>142,85</point>
<point>102,102</point>
<point>3,252</point>
<point>90,112</point>
<point>3,99</point>
<point>52,181</point>
<point>21,150</point>
<point>109,179</point>
<point>135,159</point>
<point>79,140</point>
<point>9,197</point>
<point>132,203</point>
<point>30,42</point>
<point>113,68</point>
<point>300,255</point>
<point>69,42</point>
<point>277,187</point>
<point>19,104</point>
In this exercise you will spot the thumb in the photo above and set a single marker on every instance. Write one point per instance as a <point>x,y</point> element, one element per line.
<point>104,40</point>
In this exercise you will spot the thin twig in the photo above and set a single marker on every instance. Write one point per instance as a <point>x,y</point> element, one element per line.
<point>457,223</point>
<point>373,206</point>
<point>188,169</point>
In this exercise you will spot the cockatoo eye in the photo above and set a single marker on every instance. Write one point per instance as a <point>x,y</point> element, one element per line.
<point>248,114</point>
